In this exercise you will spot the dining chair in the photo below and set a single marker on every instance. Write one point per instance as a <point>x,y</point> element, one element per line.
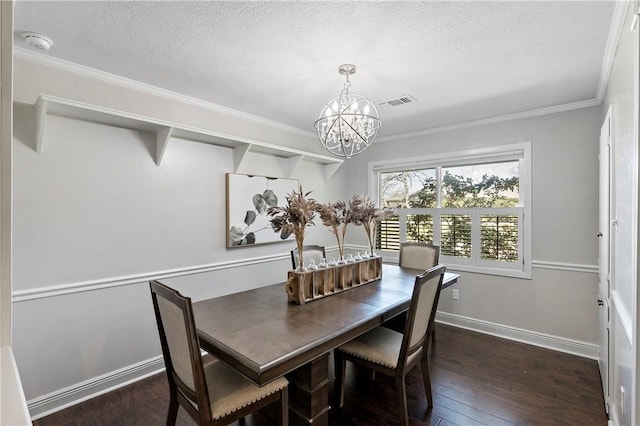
<point>309,253</point>
<point>395,354</point>
<point>416,255</point>
<point>213,393</point>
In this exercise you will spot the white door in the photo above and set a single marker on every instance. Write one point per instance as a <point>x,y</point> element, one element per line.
<point>604,255</point>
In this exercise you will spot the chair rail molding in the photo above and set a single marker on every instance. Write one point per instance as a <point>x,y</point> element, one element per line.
<point>103,283</point>
<point>564,266</point>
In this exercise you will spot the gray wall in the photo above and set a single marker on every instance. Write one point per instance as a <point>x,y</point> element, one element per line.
<point>95,218</point>
<point>557,308</point>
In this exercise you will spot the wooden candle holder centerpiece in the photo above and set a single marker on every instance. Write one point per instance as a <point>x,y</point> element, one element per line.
<point>307,286</point>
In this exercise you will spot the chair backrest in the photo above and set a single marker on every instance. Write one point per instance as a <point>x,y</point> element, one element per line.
<point>418,255</point>
<point>422,312</point>
<point>309,253</point>
<point>180,346</point>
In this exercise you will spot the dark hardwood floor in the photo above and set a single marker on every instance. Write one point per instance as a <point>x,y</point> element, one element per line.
<point>476,379</point>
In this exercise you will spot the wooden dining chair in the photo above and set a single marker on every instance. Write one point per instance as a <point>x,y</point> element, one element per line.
<point>212,393</point>
<point>395,354</point>
<point>309,253</point>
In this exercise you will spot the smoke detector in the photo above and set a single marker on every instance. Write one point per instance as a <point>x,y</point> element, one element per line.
<point>37,41</point>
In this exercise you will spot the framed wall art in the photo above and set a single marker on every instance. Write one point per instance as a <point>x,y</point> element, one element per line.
<point>248,198</point>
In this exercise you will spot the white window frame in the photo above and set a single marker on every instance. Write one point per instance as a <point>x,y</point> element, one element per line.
<point>520,152</point>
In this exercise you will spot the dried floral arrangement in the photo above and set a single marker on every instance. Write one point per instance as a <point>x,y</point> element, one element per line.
<point>295,217</point>
<point>368,215</point>
<point>337,216</point>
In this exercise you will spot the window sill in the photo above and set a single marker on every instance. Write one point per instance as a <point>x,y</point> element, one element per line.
<point>512,273</point>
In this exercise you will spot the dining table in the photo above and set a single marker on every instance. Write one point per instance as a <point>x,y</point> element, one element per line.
<point>263,336</point>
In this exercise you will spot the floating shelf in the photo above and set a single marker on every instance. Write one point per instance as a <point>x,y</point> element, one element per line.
<point>165,131</point>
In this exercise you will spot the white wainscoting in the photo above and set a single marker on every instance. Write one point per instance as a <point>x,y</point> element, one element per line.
<point>63,398</point>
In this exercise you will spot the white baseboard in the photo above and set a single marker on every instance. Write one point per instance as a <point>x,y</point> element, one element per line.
<point>613,417</point>
<point>574,347</point>
<point>55,401</point>
<point>58,400</point>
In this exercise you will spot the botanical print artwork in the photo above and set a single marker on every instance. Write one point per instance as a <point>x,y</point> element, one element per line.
<point>248,199</point>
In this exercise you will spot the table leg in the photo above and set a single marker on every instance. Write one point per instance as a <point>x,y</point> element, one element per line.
<point>309,393</point>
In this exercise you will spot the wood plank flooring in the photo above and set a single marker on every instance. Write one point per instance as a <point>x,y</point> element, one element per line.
<point>476,379</point>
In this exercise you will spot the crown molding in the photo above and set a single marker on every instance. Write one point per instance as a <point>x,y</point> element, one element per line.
<point>61,64</point>
<point>615,31</point>
<point>617,22</point>
<point>493,120</point>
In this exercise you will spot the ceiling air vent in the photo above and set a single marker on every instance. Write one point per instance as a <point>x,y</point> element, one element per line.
<point>406,99</point>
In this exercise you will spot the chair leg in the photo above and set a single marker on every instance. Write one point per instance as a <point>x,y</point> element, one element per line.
<point>340,365</point>
<point>433,335</point>
<point>172,415</point>
<point>402,400</point>
<point>426,378</point>
<point>284,407</point>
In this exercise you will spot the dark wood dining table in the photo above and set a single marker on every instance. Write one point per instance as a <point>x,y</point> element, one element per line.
<point>264,337</point>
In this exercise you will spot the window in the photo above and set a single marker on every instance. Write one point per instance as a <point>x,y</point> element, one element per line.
<point>472,204</point>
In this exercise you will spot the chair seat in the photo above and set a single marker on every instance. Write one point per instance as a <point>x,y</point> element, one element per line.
<point>395,354</point>
<point>230,391</point>
<point>380,346</point>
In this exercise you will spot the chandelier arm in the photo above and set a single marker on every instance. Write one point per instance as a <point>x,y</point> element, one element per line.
<point>353,143</point>
<point>346,108</point>
<point>342,144</point>
<point>364,140</point>
<point>333,123</point>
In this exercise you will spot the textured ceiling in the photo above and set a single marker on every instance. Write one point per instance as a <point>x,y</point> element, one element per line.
<point>462,61</point>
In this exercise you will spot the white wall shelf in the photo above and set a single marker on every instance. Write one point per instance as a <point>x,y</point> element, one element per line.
<point>165,131</point>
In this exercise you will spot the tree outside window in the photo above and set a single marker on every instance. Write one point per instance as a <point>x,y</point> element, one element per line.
<point>477,186</point>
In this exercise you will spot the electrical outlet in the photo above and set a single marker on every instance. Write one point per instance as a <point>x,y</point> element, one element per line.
<point>455,293</point>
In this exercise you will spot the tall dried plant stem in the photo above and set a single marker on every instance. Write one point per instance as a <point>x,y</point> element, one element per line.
<point>299,235</point>
<point>371,227</point>
<point>341,245</point>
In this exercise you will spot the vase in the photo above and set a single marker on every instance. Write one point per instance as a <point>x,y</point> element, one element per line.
<point>312,266</point>
<point>301,267</point>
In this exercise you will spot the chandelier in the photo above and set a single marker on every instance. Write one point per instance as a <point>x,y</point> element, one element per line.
<point>349,123</point>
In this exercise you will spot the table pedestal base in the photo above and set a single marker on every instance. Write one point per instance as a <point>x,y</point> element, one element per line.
<point>309,393</point>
